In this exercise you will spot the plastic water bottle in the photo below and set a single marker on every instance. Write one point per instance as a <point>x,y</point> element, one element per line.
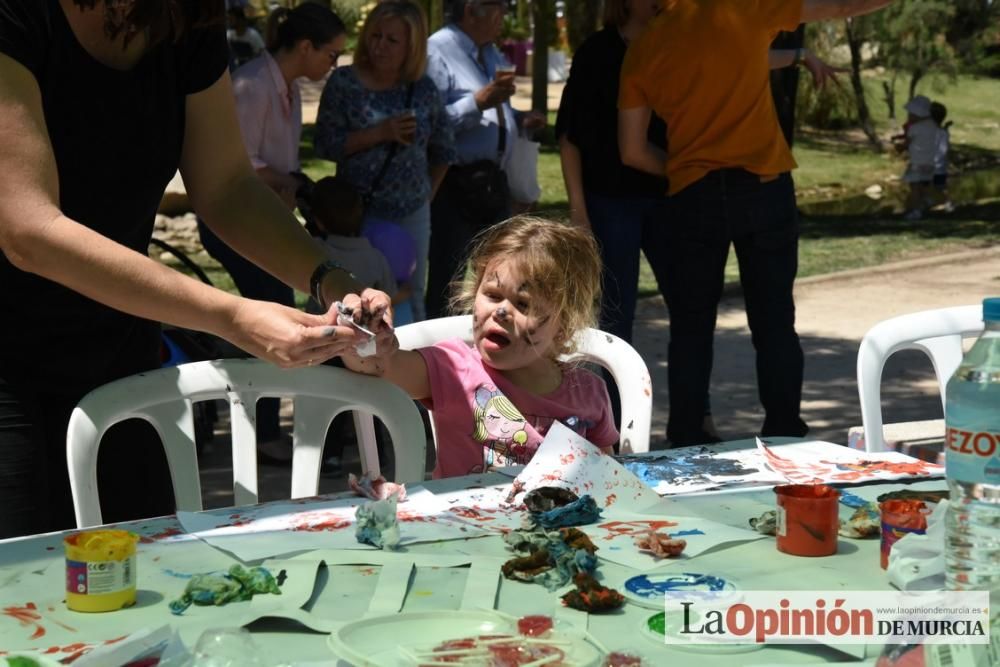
<point>972,460</point>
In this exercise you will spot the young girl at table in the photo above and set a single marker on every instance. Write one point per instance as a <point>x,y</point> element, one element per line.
<point>531,286</point>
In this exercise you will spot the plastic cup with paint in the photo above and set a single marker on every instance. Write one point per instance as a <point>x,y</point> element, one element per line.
<point>100,570</point>
<point>807,518</point>
<point>900,517</point>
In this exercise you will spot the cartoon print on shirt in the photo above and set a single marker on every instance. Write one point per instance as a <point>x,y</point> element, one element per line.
<point>500,427</point>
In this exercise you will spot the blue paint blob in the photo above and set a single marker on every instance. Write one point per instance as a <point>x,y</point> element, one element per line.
<point>654,586</point>
<point>174,573</point>
<point>682,533</point>
<point>851,500</point>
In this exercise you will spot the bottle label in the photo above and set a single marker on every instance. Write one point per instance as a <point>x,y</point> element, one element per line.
<point>972,455</point>
<point>100,577</point>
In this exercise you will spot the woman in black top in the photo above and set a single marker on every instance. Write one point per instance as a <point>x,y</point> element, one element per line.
<point>100,101</point>
<point>622,206</point>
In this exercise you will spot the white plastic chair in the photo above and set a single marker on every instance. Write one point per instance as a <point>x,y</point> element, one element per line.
<point>622,361</point>
<point>165,398</point>
<point>937,333</point>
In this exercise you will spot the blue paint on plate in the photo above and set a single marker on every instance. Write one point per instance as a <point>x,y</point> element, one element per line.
<point>653,586</point>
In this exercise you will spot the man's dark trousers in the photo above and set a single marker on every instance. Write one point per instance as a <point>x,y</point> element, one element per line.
<point>760,219</point>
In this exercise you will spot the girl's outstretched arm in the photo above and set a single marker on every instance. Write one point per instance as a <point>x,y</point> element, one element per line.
<point>404,368</point>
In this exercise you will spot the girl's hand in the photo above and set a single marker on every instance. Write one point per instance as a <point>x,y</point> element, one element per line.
<point>372,310</point>
<point>287,337</point>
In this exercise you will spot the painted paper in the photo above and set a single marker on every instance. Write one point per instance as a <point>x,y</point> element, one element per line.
<point>300,525</point>
<point>689,469</point>
<point>717,467</point>
<point>566,460</point>
<point>824,463</point>
<point>615,537</point>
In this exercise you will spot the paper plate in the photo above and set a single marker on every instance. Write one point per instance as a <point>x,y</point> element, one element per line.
<point>646,590</point>
<point>374,642</point>
<point>682,643</point>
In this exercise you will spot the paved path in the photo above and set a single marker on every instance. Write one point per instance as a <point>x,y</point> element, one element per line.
<point>833,314</point>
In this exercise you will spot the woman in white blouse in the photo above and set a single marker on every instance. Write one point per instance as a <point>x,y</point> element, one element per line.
<point>302,42</point>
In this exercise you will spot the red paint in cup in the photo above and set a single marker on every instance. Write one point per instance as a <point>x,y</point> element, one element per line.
<point>900,517</point>
<point>807,519</point>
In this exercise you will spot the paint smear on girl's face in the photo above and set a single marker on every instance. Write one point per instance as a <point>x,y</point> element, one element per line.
<point>513,326</point>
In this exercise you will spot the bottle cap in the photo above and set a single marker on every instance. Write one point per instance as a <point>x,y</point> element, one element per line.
<point>991,309</point>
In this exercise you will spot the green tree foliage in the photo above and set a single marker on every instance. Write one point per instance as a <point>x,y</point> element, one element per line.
<point>974,33</point>
<point>912,38</point>
<point>833,106</point>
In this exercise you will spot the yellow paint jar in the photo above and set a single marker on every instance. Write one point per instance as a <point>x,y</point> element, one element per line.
<point>100,570</point>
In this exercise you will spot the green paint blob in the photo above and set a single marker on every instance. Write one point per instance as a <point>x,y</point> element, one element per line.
<point>657,623</point>
<point>21,661</point>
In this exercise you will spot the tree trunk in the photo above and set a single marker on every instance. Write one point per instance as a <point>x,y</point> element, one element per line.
<point>864,115</point>
<point>915,78</point>
<point>435,17</point>
<point>889,87</point>
<point>541,10</point>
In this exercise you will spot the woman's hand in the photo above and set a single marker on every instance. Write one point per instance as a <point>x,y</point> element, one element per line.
<point>288,337</point>
<point>821,71</point>
<point>401,129</point>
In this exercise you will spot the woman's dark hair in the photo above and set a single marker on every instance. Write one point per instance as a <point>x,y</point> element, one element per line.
<point>160,19</point>
<point>287,27</point>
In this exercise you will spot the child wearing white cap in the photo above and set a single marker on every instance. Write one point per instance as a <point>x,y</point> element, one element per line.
<point>921,141</point>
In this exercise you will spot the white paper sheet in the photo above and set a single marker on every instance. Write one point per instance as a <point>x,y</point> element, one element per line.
<point>566,460</point>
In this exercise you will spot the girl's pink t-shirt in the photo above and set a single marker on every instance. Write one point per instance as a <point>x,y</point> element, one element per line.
<point>482,420</point>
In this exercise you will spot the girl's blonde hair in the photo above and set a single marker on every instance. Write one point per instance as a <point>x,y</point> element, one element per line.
<point>561,262</point>
<point>410,14</point>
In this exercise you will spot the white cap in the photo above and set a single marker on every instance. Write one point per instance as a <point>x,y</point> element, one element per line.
<point>919,106</point>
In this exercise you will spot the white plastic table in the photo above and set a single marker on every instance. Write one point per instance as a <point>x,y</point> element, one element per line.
<point>33,568</point>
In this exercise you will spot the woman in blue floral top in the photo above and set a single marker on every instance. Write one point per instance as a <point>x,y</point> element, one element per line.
<point>364,111</point>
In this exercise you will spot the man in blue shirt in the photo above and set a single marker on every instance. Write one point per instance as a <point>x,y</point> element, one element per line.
<point>462,60</point>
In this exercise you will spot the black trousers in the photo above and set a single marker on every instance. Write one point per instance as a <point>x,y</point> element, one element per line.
<point>35,497</point>
<point>733,206</point>
<point>452,231</point>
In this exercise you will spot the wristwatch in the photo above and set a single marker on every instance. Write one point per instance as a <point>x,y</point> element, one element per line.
<point>800,56</point>
<point>316,280</point>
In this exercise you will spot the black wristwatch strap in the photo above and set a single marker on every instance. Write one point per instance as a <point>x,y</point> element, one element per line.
<point>316,280</point>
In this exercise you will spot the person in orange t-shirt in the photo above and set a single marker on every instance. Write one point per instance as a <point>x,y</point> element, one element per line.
<point>702,66</point>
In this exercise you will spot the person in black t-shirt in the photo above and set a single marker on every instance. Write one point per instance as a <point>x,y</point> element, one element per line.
<point>100,102</point>
<point>623,207</point>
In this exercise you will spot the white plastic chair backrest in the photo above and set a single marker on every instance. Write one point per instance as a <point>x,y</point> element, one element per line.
<point>622,361</point>
<point>938,333</point>
<point>165,398</point>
